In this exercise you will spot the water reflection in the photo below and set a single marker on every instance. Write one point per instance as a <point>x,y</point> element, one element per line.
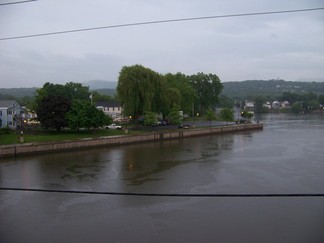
<point>142,164</point>
<point>208,163</point>
<point>112,168</point>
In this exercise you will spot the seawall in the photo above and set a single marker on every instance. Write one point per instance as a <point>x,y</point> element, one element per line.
<point>32,148</point>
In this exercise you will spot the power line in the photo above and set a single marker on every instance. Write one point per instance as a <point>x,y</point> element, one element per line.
<point>3,4</point>
<point>263,195</point>
<point>160,22</point>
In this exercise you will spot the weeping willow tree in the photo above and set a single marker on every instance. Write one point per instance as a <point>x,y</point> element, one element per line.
<point>171,97</point>
<point>140,89</point>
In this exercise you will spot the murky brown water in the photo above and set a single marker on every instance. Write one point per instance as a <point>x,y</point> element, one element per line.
<point>286,157</point>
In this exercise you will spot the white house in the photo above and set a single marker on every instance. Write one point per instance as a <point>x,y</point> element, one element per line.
<point>111,108</point>
<point>10,114</point>
<point>275,105</point>
<point>249,105</point>
<point>267,105</point>
<point>285,104</point>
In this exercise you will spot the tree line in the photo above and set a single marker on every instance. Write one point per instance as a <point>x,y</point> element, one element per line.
<point>272,88</point>
<point>141,90</point>
<point>145,93</point>
<point>299,102</point>
<point>68,105</point>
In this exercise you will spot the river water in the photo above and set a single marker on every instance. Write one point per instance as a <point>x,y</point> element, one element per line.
<point>286,157</point>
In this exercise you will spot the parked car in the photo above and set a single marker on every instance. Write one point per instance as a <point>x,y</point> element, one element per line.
<point>113,126</point>
<point>164,123</point>
<point>185,126</point>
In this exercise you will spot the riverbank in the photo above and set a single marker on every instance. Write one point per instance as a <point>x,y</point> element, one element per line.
<point>33,148</point>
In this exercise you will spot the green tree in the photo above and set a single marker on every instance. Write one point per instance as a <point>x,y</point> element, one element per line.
<point>227,115</point>
<point>75,91</point>
<point>208,87</point>
<point>169,98</point>
<point>225,102</point>
<point>290,97</point>
<point>258,105</point>
<point>27,101</point>
<point>321,99</point>
<point>313,104</point>
<point>100,97</point>
<point>211,116</point>
<point>174,116</point>
<point>150,118</point>
<point>51,105</point>
<point>309,101</point>
<point>247,114</point>
<point>310,96</point>
<point>296,107</point>
<point>51,111</point>
<point>85,115</point>
<point>53,101</point>
<point>181,83</point>
<point>138,90</point>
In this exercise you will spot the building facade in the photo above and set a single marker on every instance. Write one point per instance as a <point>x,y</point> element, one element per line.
<point>110,108</point>
<point>10,114</point>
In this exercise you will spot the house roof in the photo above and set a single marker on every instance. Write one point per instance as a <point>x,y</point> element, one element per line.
<point>8,103</point>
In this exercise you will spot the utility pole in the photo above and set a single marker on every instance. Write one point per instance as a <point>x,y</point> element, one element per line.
<point>193,114</point>
<point>91,97</point>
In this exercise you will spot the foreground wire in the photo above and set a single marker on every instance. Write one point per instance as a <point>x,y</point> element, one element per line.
<point>166,194</point>
<point>161,22</point>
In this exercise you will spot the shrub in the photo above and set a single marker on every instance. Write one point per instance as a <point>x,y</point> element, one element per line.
<point>5,130</point>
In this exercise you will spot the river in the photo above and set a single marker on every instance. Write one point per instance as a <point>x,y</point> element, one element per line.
<point>286,157</point>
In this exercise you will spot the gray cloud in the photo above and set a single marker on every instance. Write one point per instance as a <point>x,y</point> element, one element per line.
<point>288,46</point>
<point>32,68</point>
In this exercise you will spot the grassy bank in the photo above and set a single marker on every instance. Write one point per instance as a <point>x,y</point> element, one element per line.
<point>54,136</point>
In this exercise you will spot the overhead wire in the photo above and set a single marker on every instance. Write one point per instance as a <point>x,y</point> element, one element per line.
<point>161,22</point>
<point>139,194</point>
<point>11,3</point>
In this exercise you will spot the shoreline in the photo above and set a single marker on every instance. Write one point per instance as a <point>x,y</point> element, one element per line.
<point>15,150</point>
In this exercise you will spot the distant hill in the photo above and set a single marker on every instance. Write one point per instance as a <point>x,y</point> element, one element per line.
<point>244,89</point>
<point>110,92</point>
<point>103,87</point>
<point>235,90</point>
<point>100,84</point>
<point>17,92</point>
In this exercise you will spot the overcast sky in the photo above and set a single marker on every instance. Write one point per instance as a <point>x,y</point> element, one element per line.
<point>286,46</point>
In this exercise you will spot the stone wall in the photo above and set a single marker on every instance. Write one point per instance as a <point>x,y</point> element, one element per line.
<point>31,148</point>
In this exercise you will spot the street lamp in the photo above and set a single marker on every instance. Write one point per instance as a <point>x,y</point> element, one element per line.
<point>128,121</point>
<point>193,114</point>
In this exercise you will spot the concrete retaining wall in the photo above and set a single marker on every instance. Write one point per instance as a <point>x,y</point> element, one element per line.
<point>30,148</point>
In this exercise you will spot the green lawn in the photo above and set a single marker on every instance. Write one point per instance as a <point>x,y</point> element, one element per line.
<point>51,136</point>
